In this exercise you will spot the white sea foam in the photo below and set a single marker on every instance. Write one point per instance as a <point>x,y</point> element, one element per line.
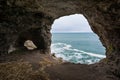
<point>68,53</point>
<point>93,54</point>
<point>67,47</point>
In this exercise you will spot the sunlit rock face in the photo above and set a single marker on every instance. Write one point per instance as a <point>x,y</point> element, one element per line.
<point>22,20</point>
<point>30,45</point>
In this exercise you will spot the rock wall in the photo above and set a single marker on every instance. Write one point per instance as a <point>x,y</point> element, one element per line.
<point>22,20</point>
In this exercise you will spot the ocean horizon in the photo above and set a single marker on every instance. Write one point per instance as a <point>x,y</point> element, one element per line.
<point>84,48</point>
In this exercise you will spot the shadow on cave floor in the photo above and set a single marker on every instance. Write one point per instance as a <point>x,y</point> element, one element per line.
<point>68,71</point>
<point>34,57</point>
<point>56,69</point>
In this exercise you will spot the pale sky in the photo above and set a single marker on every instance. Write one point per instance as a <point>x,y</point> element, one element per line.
<point>72,23</point>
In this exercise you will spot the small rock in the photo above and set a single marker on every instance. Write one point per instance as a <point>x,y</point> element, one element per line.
<point>30,45</point>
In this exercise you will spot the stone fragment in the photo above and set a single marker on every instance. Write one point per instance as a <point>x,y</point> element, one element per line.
<point>30,45</point>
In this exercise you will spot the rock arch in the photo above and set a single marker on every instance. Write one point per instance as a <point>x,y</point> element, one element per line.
<point>19,16</point>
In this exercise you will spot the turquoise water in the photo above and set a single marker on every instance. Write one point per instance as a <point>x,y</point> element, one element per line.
<point>84,48</point>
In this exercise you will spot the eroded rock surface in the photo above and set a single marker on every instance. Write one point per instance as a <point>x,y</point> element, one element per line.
<point>22,20</point>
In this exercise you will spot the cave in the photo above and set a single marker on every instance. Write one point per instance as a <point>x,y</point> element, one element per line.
<point>34,18</point>
<point>32,35</point>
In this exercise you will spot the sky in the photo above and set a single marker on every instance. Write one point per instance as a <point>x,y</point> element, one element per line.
<point>73,23</point>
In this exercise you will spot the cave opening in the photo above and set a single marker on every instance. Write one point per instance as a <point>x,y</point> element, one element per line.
<point>74,41</point>
<point>31,40</point>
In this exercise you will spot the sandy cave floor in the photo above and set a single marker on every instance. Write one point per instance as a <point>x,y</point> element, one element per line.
<point>55,68</point>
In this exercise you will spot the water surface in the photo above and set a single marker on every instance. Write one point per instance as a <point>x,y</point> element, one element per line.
<point>83,48</point>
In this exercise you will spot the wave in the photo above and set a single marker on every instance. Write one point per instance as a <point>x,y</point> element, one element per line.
<point>93,54</point>
<point>68,53</point>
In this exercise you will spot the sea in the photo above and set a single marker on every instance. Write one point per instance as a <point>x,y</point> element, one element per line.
<point>84,48</point>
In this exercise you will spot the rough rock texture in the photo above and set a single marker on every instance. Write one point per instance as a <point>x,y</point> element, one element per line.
<point>22,20</point>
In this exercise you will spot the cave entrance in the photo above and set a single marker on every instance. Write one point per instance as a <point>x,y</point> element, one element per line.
<point>31,40</point>
<point>74,41</point>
